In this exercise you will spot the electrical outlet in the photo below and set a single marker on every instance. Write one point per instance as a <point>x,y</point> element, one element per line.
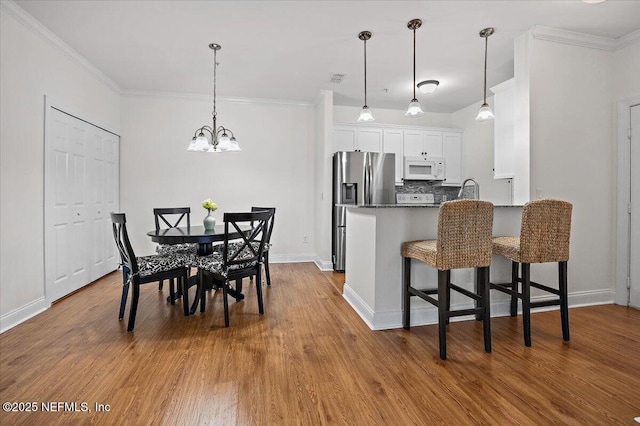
<point>305,239</point>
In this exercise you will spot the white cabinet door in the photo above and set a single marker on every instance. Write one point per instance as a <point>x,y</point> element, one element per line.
<point>392,142</point>
<point>452,153</point>
<point>433,144</point>
<point>369,139</point>
<point>344,138</point>
<point>414,143</point>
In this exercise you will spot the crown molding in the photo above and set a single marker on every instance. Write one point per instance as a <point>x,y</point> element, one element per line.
<point>199,97</point>
<point>584,40</point>
<point>31,23</point>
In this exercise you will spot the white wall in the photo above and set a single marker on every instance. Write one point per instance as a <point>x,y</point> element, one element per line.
<point>571,128</point>
<point>347,114</point>
<point>323,175</point>
<point>32,66</point>
<point>477,153</point>
<point>274,169</point>
<point>626,82</point>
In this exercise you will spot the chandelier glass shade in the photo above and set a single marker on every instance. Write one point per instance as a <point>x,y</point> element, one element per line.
<point>365,114</point>
<point>485,113</point>
<point>414,109</point>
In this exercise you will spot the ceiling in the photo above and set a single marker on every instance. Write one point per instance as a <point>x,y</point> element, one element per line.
<point>287,50</point>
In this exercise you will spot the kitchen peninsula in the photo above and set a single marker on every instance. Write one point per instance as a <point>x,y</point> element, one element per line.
<point>373,273</point>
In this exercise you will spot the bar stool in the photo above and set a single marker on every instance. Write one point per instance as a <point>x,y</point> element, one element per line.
<point>544,237</point>
<point>464,241</point>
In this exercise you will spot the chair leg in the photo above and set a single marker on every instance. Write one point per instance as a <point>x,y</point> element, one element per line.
<point>160,285</point>
<point>266,268</point>
<point>406,297</point>
<point>185,296</point>
<point>134,306</point>
<point>526,302</point>
<point>172,291</point>
<point>259,290</point>
<point>239,289</point>
<point>442,313</point>
<point>564,302</point>
<point>484,287</point>
<point>125,291</point>
<point>514,287</point>
<point>448,294</point>
<point>225,288</point>
<point>201,291</point>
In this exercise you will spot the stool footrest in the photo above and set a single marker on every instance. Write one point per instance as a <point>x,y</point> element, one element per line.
<point>503,288</point>
<point>461,312</point>
<point>542,303</point>
<point>424,295</point>
<point>465,292</point>
<point>545,288</point>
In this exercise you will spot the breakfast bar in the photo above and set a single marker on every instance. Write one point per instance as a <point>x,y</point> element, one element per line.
<point>373,272</point>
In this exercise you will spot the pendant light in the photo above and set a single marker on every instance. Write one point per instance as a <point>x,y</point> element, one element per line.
<point>414,109</point>
<point>485,112</point>
<point>220,140</point>
<point>428,86</point>
<point>365,114</point>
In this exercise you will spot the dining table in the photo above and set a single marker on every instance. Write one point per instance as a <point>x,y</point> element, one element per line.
<point>205,238</point>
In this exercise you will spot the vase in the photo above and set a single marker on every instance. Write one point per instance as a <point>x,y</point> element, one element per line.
<point>209,221</point>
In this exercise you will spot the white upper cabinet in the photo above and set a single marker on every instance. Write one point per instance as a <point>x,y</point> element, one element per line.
<point>422,143</point>
<point>392,142</point>
<point>355,138</point>
<point>503,130</point>
<point>452,153</point>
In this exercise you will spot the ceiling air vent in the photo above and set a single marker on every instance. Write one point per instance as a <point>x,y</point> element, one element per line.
<point>336,78</point>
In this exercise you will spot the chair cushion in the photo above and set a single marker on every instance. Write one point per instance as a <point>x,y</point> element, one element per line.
<point>508,247</point>
<point>184,248</point>
<point>213,263</point>
<point>149,265</point>
<point>235,245</point>
<point>422,250</point>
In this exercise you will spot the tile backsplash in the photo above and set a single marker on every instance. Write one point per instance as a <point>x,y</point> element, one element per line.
<point>429,187</point>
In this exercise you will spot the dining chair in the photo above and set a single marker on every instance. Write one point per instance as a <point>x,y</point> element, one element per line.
<point>144,269</point>
<point>267,246</point>
<point>463,241</point>
<point>163,221</point>
<point>544,237</point>
<point>237,259</point>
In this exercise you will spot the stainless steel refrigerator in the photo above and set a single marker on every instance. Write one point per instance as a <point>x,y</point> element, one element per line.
<point>359,178</point>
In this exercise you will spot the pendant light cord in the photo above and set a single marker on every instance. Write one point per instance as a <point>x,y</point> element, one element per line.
<point>365,72</point>
<point>214,85</point>
<point>486,43</point>
<point>414,63</point>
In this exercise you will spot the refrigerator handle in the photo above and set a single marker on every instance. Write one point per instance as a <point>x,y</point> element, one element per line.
<point>367,179</point>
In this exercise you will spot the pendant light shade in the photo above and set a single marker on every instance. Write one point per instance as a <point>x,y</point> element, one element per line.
<point>428,86</point>
<point>365,114</point>
<point>414,109</point>
<point>485,112</point>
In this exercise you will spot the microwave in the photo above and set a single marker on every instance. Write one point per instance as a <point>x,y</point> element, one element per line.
<point>423,168</point>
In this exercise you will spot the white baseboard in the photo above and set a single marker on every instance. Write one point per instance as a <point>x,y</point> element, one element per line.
<point>292,258</point>
<point>21,314</point>
<point>323,265</point>
<point>427,315</point>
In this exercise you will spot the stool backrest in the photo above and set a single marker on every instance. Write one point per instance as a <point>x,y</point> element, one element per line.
<point>545,231</point>
<point>464,234</point>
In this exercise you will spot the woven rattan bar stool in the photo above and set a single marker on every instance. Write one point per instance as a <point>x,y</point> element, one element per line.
<point>464,241</point>
<point>544,237</point>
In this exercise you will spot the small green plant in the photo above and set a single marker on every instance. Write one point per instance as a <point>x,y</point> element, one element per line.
<point>209,205</point>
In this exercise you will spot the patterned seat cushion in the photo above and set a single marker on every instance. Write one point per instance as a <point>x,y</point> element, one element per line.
<point>235,245</point>
<point>184,248</point>
<point>148,265</point>
<point>213,262</point>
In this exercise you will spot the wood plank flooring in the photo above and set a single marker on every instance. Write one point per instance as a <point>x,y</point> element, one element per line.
<point>310,360</point>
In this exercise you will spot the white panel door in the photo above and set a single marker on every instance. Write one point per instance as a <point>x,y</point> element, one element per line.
<point>66,225</point>
<point>81,189</point>
<point>634,291</point>
<point>392,142</point>
<point>369,140</point>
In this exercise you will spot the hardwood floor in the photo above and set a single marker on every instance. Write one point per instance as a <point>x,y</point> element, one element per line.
<point>311,360</point>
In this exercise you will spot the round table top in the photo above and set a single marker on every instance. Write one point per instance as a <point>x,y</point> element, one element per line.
<point>193,234</point>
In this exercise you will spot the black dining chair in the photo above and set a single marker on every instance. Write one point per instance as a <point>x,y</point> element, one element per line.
<point>142,270</point>
<point>166,218</point>
<point>237,259</point>
<point>267,246</point>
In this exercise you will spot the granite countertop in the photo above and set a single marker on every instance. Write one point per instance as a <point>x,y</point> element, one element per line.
<point>396,206</point>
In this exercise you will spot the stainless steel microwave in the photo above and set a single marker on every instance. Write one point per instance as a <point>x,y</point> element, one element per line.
<point>423,168</point>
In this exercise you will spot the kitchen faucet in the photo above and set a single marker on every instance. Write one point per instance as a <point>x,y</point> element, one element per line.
<point>476,190</point>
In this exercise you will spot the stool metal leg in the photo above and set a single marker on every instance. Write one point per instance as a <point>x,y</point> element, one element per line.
<point>448,293</point>
<point>406,297</point>
<point>443,285</point>
<point>564,302</point>
<point>526,302</point>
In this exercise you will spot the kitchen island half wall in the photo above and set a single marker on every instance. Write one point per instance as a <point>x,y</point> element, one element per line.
<point>373,273</point>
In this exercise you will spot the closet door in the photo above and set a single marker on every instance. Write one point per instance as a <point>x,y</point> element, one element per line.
<point>81,189</point>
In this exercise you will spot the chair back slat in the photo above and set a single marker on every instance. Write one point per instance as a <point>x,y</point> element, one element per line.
<point>464,234</point>
<point>271,221</point>
<point>161,213</point>
<point>545,231</point>
<point>249,249</point>
<point>121,237</point>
